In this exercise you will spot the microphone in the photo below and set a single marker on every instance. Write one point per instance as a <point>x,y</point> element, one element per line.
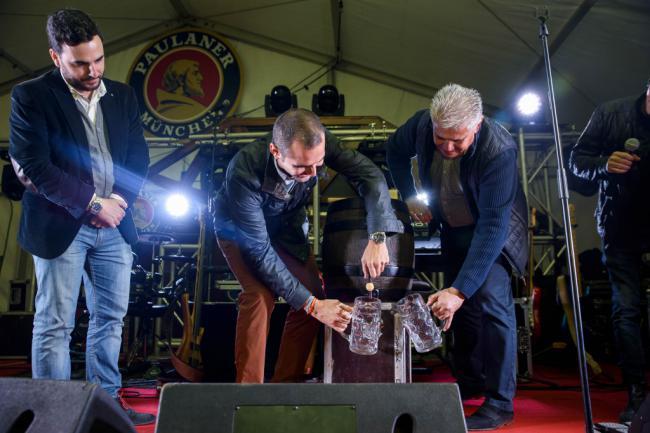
<point>632,145</point>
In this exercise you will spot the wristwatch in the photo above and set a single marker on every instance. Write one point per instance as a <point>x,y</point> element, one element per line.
<point>378,237</point>
<point>95,206</point>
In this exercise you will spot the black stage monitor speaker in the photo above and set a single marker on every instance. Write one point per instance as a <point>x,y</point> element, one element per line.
<point>313,408</point>
<point>48,406</point>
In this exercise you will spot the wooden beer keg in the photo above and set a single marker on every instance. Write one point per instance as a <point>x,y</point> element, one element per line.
<point>345,237</point>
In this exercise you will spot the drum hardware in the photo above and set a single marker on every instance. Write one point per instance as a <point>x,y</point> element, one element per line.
<point>149,301</point>
<point>143,309</point>
<point>156,238</point>
<point>177,258</point>
<point>143,283</point>
<point>146,312</point>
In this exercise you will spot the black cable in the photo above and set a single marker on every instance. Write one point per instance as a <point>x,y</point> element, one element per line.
<point>329,65</point>
<point>338,31</point>
<point>138,383</point>
<point>4,249</point>
<point>253,9</point>
<point>96,17</point>
<point>246,113</point>
<point>306,86</point>
<point>575,388</point>
<point>15,365</point>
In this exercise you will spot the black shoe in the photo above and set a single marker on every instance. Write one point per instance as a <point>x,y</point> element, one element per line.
<point>636,397</point>
<point>137,418</point>
<point>488,417</point>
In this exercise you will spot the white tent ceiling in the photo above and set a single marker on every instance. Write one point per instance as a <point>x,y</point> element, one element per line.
<point>600,49</point>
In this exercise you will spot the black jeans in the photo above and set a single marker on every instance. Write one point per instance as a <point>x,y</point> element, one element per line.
<point>623,265</point>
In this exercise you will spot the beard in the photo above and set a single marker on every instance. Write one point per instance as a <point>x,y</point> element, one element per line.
<point>84,85</point>
<point>195,91</point>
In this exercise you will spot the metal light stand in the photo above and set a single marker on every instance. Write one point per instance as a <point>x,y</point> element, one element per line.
<point>568,230</point>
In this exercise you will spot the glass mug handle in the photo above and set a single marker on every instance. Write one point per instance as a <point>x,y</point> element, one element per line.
<point>347,337</point>
<point>441,322</point>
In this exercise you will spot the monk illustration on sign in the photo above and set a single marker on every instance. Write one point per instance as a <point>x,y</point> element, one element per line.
<point>181,84</point>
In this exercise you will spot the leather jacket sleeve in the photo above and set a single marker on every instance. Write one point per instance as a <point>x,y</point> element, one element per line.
<point>588,159</point>
<point>255,243</point>
<point>400,149</point>
<point>368,181</point>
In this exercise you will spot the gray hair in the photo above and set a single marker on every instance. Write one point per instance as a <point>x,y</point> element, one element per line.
<point>297,124</point>
<point>456,107</point>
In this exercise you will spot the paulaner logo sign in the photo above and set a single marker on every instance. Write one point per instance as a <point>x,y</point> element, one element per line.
<point>186,82</point>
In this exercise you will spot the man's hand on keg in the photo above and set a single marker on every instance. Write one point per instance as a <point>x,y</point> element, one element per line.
<point>374,259</point>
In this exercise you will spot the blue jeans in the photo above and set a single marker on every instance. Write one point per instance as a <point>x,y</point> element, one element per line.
<point>103,259</point>
<point>485,339</point>
<point>623,265</point>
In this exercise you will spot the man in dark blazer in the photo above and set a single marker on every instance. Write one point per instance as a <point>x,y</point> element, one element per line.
<point>76,142</point>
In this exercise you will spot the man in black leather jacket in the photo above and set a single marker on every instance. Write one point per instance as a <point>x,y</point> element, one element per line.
<point>605,154</point>
<point>261,227</point>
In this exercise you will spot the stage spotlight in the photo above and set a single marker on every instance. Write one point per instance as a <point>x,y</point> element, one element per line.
<point>280,100</point>
<point>177,205</point>
<point>423,197</point>
<point>328,102</point>
<point>529,104</point>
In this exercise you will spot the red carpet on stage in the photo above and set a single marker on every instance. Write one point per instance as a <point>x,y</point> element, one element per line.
<point>550,402</point>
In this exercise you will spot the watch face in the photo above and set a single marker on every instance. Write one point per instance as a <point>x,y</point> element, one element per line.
<point>378,237</point>
<point>96,207</point>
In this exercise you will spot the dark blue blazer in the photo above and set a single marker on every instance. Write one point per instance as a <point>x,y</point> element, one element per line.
<point>48,142</point>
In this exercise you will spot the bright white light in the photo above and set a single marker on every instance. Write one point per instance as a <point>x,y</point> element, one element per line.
<point>423,197</point>
<point>177,205</point>
<point>529,104</point>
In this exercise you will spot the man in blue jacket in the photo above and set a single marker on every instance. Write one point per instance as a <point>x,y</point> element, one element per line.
<point>467,165</point>
<point>261,227</point>
<point>76,142</point>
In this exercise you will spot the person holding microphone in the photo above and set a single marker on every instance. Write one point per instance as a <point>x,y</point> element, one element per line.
<point>612,152</point>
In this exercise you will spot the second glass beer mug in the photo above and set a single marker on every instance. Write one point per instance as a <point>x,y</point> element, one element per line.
<point>365,326</point>
<point>417,319</point>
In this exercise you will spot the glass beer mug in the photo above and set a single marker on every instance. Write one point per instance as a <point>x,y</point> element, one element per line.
<point>365,326</point>
<point>417,319</point>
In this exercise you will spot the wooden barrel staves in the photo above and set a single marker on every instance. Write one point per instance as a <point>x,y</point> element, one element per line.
<point>345,237</point>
